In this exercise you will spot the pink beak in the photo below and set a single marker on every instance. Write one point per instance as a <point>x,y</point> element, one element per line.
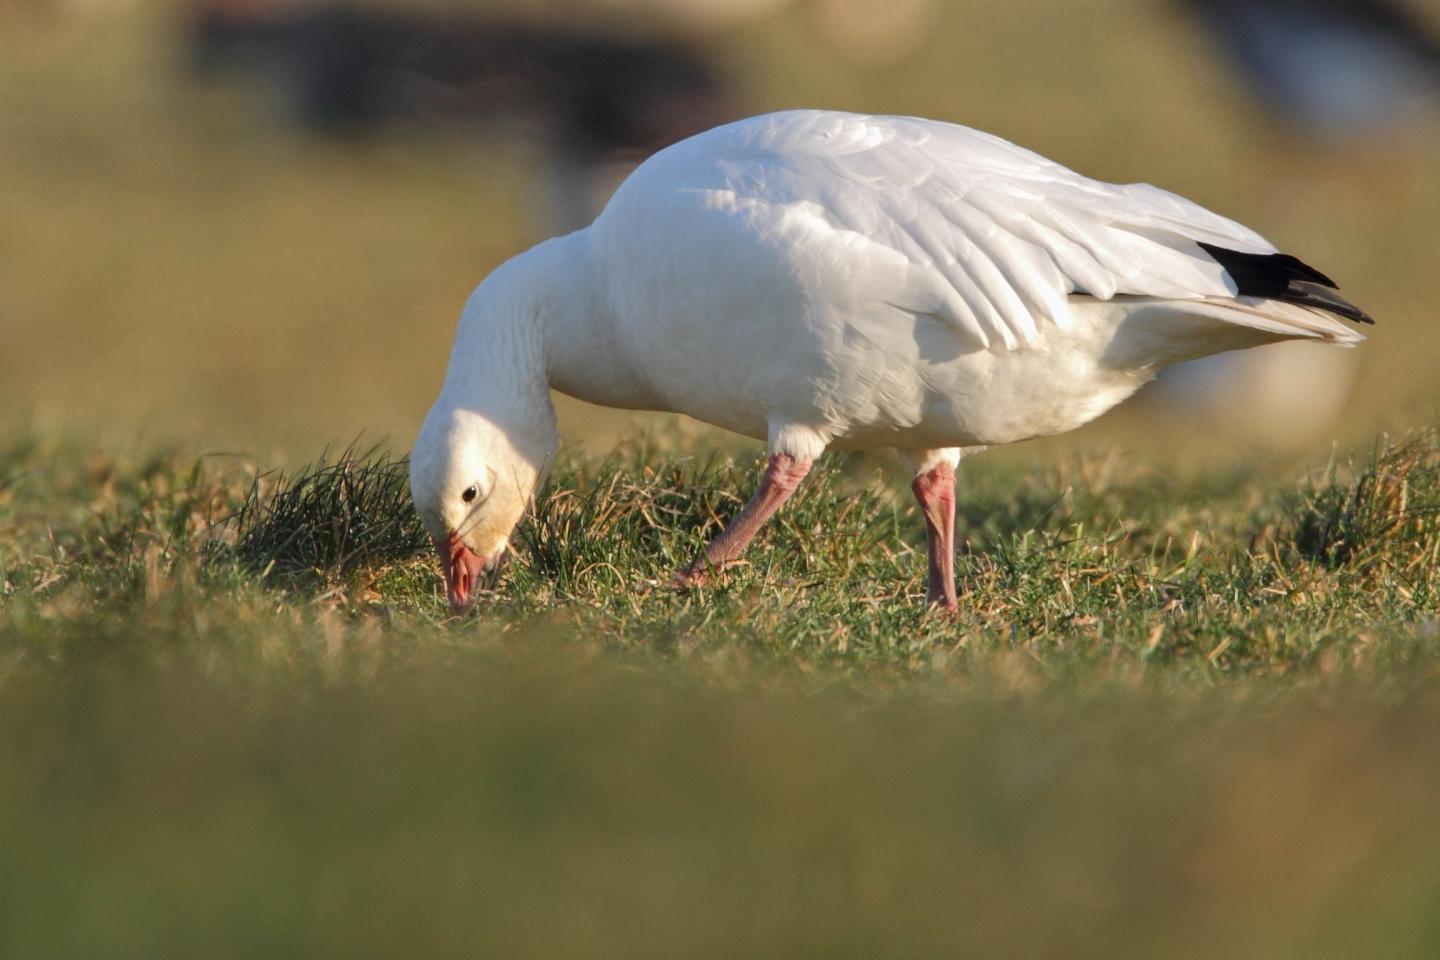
<point>463,567</point>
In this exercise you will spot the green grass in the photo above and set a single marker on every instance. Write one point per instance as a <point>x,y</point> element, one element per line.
<point>1106,564</point>
<point>1181,715</point>
<point>1217,573</point>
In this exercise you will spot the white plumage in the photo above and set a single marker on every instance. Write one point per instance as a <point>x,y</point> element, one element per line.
<point>828,280</point>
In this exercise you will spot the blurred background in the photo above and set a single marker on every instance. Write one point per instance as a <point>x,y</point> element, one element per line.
<point>251,224</point>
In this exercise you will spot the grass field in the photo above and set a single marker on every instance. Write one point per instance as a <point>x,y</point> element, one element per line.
<point>1190,708</point>
<point>1178,716</point>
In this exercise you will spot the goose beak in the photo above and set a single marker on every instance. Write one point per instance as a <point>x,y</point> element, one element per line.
<point>463,567</point>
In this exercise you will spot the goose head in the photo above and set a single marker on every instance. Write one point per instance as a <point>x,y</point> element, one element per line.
<point>472,480</point>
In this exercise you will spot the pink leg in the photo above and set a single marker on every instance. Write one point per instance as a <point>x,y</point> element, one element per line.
<point>782,476</point>
<point>935,489</point>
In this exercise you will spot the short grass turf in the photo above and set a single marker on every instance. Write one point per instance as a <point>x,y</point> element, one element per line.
<point>1185,714</point>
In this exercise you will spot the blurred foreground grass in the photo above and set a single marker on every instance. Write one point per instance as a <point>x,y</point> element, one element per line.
<point>502,803</point>
<point>1182,716</point>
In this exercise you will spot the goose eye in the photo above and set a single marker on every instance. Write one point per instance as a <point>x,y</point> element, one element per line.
<point>469,494</point>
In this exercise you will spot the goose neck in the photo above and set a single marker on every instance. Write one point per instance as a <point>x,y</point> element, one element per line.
<point>520,314</point>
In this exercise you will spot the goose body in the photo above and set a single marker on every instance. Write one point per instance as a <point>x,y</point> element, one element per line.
<point>825,280</point>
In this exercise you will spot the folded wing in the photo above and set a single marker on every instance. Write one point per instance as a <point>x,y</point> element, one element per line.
<point>990,237</point>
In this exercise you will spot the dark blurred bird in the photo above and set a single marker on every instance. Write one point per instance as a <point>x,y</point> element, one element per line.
<point>1330,69</point>
<point>345,71</point>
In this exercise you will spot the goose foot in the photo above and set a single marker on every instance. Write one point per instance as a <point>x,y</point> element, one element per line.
<point>690,579</point>
<point>946,612</point>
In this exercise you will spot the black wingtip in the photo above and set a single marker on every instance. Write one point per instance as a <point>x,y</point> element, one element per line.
<point>1325,298</point>
<point>1279,276</point>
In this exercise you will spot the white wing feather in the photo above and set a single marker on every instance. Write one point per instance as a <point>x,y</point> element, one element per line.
<point>994,237</point>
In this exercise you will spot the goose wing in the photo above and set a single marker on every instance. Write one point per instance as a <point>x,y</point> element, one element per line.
<point>993,239</point>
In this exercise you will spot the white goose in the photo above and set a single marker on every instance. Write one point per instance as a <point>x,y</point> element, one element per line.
<point>824,280</point>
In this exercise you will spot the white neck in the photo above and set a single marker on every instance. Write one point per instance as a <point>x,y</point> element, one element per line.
<point>529,323</point>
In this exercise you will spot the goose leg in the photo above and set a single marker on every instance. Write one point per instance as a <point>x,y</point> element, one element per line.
<point>935,489</point>
<point>782,477</point>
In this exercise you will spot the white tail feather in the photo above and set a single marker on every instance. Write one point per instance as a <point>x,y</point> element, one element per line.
<point>1151,332</point>
<point>1288,321</point>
